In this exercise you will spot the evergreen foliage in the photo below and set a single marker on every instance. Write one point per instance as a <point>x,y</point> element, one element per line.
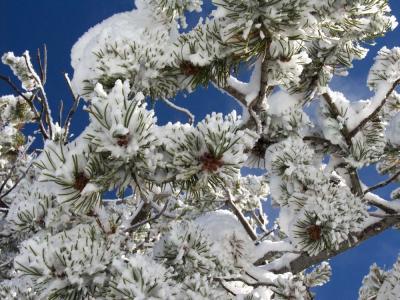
<point>186,223</point>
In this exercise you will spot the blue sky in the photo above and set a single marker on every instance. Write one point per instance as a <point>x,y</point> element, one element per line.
<point>27,24</point>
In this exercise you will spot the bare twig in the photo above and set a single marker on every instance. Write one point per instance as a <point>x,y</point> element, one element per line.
<point>8,176</point>
<point>74,107</point>
<point>265,235</point>
<point>240,216</point>
<point>13,86</point>
<point>139,224</point>
<point>71,90</point>
<point>42,65</point>
<point>226,288</point>
<point>43,100</point>
<point>181,109</point>
<point>17,182</point>
<point>383,183</point>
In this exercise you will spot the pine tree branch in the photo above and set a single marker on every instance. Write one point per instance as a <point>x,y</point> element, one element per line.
<point>375,112</point>
<point>336,114</point>
<point>74,107</point>
<point>382,204</point>
<point>16,182</point>
<point>383,183</point>
<point>233,92</point>
<point>141,223</point>
<point>240,216</point>
<point>265,89</point>
<point>42,64</point>
<point>221,282</point>
<point>43,99</point>
<point>14,87</point>
<point>355,180</point>
<point>180,109</point>
<point>8,177</point>
<point>305,261</point>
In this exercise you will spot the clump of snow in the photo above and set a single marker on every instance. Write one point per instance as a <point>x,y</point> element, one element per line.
<point>121,45</point>
<point>23,69</point>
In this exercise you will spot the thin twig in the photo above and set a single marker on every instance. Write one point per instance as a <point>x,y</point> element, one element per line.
<point>181,109</point>
<point>17,182</point>
<point>71,90</point>
<point>226,288</point>
<point>43,99</point>
<point>13,86</point>
<point>74,107</point>
<point>60,111</point>
<point>158,215</point>
<point>44,63</point>
<point>7,177</point>
<point>240,216</point>
<point>41,67</point>
<point>266,234</point>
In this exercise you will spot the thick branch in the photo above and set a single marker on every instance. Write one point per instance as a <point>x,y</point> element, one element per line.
<point>265,88</point>
<point>305,261</point>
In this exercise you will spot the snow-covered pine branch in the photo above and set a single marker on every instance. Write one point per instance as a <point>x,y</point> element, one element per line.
<point>186,223</point>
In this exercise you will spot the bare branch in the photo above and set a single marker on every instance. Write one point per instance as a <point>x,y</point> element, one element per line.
<point>305,261</point>
<point>42,65</point>
<point>234,93</point>
<point>8,176</point>
<point>13,86</point>
<point>375,112</point>
<point>139,224</point>
<point>265,89</point>
<point>43,99</point>
<point>228,290</point>
<point>74,107</point>
<point>17,182</point>
<point>392,178</point>
<point>241,217</point>
<point>380,203</point>
<point>181,109</point>
<point>254,115</point>
<point>71,90</point>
